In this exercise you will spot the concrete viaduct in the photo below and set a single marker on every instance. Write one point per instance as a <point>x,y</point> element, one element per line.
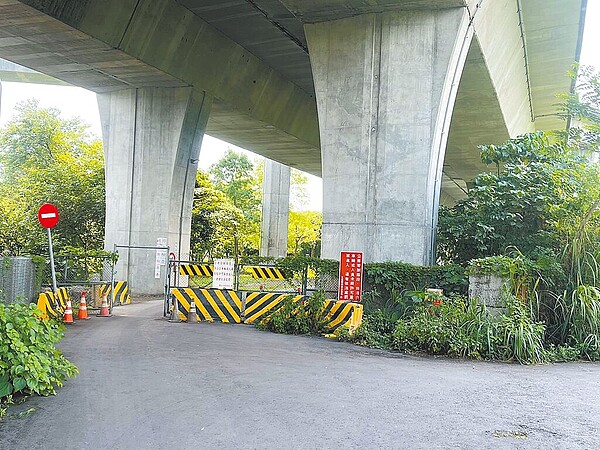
<point>386,100</point>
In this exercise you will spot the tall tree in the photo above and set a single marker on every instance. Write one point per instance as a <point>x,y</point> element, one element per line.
<point>45,158</point>
<point>298,191</point>
<point>582,109</point>
<point>540,188</point>
<point>544,194</point>
<point>236,178</point>
<point>214,221</point>
<point>234,175</point>
<point>304,233</point>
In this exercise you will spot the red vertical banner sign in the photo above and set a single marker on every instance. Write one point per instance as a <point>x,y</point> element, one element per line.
<point>351,272</point>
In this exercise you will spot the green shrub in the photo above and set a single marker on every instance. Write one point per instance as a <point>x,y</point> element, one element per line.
<point>388,277</point>
<point>375,331</point>
<point>29,362</point>
<point>393,307</point>
<point>298,317</point>
<point>562,353</point>
<point>579,320</point>
<point>521,338</point>
<point>4,404</point>
<point>456,327</point>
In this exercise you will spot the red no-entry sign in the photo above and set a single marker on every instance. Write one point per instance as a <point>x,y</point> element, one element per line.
<point>48,215</point>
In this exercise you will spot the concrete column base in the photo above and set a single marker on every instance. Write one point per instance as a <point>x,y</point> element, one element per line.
<point>275,209</point>
<point>152,140</point>
<point>385,86</point>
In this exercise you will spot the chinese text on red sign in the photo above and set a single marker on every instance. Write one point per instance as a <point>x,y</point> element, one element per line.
<point>351,272</point>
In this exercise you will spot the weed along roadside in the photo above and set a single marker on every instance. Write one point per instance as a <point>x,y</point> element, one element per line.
<point>424,310</point>
<point>30,364</point>
<point>507,320</point>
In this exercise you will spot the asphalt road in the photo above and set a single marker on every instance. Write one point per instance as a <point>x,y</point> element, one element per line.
<point>145,383</point>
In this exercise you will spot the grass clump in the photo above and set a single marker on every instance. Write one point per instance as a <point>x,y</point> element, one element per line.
<point>298,316</point>
<point>455,327</point>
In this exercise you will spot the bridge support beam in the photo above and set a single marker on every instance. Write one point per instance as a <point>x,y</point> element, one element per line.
<point>152,140</point>
<point>275,209</point>
<point>385,86</point>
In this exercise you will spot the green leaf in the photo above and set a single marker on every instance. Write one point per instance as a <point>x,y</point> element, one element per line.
<point>19,384</point>
<point>5,386</point>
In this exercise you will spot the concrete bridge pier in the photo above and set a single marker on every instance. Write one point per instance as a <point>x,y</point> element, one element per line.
<point>385,86</point>
<point>152,139</point>
<point>275,209</point>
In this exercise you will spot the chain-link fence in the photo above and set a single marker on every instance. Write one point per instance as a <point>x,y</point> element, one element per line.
<point>326,282</point>
<point>77,269</point>
<point>269,278</point>
<point>78,274</point>
<point>17,280</point>
<point>303,279</point>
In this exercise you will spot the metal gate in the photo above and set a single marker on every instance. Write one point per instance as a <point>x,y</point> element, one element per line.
<point>148,263</point>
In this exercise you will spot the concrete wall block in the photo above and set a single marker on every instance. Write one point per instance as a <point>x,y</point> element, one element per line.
<point>345,237</point>
<point>488,289</point>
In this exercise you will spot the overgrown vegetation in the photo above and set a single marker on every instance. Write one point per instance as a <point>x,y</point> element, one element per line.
<point>298,316</point>
<point>533,220</point>
<point>29,361</point>
<point>455,327</point>
<point>389,277</point>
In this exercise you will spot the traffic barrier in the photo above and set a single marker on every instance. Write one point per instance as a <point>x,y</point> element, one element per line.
<point>122,296</point>
<point>211,304</point>
<point>261,304</point>
<point>47,305</point>
<point>61,297</point>
<point>196,270</point>
<point>82,313</point>
<point>343,315</point>
<point>225,306</point>
<point>265,273</point>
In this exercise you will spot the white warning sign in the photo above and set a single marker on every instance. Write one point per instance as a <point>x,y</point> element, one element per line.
<point>223,273</point>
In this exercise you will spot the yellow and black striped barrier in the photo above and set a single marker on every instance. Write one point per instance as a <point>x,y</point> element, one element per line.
<point>343,315</point>
<point>61,297</point>
<point>122,296</point>
<point>260,305</point>
<point>225,306</point>
<point>265,273</point>
<point>196,270</point>
<point>211,304</point>
<point>47,305</point>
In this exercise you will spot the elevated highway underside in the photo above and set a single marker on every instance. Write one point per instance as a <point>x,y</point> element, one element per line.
<point>386,100</point>
<point>252,57</point>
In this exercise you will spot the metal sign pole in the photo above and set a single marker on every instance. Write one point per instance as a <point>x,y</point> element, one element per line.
<point>112,281</point>
<point>52,260</point>
<point>168,276</point>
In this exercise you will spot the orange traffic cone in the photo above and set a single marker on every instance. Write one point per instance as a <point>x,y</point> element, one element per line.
<point>68,317</point>
<point>104,312</point>
<point>82,313</point>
